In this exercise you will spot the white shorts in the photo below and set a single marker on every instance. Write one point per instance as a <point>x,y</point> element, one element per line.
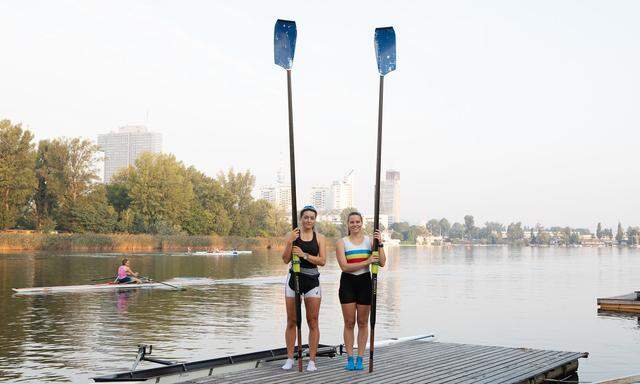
<point>288,292</point>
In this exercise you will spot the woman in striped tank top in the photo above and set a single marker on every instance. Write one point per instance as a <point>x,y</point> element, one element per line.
<point>354,257</point>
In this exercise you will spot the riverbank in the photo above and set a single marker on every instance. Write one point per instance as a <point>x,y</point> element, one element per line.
<point>128,242</point>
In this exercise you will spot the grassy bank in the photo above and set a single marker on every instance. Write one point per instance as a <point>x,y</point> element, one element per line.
<point>127,242</point>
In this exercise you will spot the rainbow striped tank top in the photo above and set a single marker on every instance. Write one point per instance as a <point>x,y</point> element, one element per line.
<point>356,253</point>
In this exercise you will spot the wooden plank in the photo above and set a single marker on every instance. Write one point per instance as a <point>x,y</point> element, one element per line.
<point>418,361</point>
<point>561,361</point>
<point>534,367</point>
<point>443,369</point>
<point>473,371</point>
<point>401,361</point>
<point>383,359</point>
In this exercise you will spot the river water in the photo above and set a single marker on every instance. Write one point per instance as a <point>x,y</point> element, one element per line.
<point>520,297</point>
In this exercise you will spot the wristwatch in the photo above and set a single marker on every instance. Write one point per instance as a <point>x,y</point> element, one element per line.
<point>381,245</point>
<point>305,256</point>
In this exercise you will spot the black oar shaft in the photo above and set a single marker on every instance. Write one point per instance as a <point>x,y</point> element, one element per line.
<point>376,211</point>
<point>376,226</point>
<point>294,218</point>
<point>292,158</point>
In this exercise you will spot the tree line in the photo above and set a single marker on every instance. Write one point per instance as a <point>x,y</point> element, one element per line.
<point>52,186</point>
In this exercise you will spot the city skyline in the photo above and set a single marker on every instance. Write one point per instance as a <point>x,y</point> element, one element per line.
<point>503,111</point>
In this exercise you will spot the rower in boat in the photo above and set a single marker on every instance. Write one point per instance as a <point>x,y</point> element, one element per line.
<point>126,275</point>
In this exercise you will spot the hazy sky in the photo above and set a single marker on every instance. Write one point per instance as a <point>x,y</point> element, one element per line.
<point>507,110</point>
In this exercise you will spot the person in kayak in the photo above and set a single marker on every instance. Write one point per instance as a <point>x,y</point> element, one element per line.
<point>354,255</point>
<point>311,249</point>
<point>126,274</point>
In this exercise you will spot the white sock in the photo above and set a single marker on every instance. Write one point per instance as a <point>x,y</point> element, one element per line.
<point>288,364</point>
<point>311,366</point>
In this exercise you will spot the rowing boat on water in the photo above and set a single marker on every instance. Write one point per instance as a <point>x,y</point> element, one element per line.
<point>222,253</point>
<point>173,372</point>
<point>87,287</point>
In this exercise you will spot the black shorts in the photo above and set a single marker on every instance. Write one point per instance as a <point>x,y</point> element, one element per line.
<point>355,288</point>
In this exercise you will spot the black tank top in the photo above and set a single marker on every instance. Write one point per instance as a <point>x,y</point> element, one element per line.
<point>311,247</point>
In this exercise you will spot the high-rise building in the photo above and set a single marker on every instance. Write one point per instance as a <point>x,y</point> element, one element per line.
<point>347,190</point>
<point>122,147</point>
<point>390,196</point>
<point>319,197</point>
<point>270,194</point>
<point>284,197</point>
<point>341,195</point>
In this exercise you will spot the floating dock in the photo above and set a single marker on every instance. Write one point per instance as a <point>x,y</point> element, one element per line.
<point>629,303</point>
<point>420,361</point>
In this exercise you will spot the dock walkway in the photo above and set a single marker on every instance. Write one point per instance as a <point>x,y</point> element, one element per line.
<point>423,362</point>
<point>629,303</point>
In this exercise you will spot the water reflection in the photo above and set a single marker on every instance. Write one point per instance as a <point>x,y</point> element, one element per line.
<point>535,297</point>
<point>621,315</point>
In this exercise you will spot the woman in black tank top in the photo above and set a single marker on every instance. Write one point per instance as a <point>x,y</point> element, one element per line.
<point>310,247</point>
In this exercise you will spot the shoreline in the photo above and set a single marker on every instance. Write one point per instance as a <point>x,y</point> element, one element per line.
<point>118,242</point>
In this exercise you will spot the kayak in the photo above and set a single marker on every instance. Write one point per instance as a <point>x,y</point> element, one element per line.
<point>222,253</point>
<point>87,287</point>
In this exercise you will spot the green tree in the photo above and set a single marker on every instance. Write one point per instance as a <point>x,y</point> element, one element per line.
<point>456,231</point>
<point>620,233</point>
<point>543,237</point>
<point>91,213</point>
<point>17,162</point>
<point>415,231</point>
<point>402,229</point>
<point>47,190</point>
<point>632,235</point>
<point>161,194</point>
<point>65,171</point>
<point>238,199</point>
<point>469,227</point>
<point>208,213</point>
<point>515,231</point>
<point>599,231</point>
<point>445,226</point>
<point>434,227</point>
<point>328,229</point>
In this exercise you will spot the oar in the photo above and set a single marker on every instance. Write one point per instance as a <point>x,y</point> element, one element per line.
<point>284,46</point>
<point>162,282</point>
<point>385,43</point>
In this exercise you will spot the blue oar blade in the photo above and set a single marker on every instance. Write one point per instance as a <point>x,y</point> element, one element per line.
<point>284,43</point>
<point>385,41</point>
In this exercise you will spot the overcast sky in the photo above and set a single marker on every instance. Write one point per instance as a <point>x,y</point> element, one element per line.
<point>507,110</point>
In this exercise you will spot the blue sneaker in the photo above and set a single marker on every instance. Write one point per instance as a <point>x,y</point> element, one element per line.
<point>350,366</point>
<point>359,364</point>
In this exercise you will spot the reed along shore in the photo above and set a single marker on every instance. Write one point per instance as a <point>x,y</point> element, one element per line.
<point>128,242</point>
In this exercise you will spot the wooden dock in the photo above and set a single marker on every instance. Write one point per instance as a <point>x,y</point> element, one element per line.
<point>629,303</point>
<point>423,362</point>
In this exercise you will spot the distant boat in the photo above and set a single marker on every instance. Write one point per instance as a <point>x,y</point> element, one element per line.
<point>220,253</point>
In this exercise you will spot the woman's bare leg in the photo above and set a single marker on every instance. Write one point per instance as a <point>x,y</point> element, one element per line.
<point>349,315</point>
<point>363,327</point>
<point>290,332</point>
<point>312,307</point>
